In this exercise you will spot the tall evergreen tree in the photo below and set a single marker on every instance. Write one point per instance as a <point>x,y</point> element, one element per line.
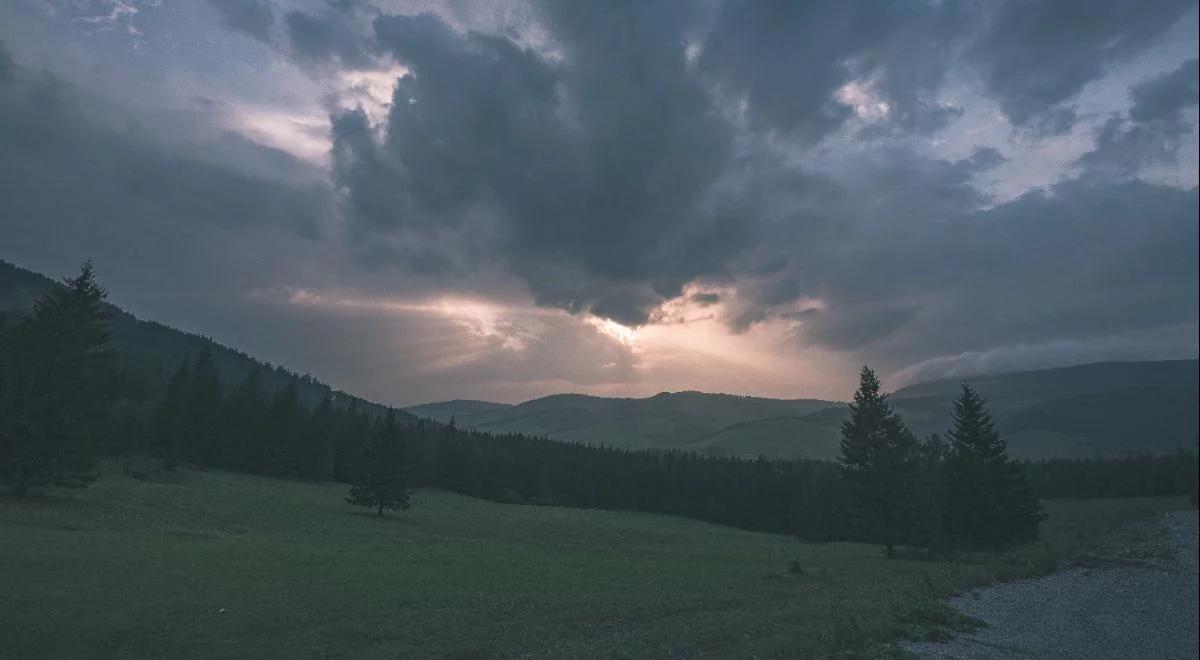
<point>880,463</point>
<point>58,372</point>
<point>988,501</point>
<point>384,482</point>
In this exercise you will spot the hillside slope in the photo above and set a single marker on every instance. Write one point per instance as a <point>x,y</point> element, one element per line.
<point>155,350</point>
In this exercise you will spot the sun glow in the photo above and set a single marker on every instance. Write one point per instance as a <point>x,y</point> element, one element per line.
<point>622,333</point>
<point>687,341</point>
<point>512,327</point>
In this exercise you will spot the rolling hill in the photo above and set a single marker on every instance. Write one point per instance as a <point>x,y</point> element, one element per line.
<point>670,420</point>
<point>1101,409</point>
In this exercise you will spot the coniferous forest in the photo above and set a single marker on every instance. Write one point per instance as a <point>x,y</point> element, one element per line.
<point>68,399</point>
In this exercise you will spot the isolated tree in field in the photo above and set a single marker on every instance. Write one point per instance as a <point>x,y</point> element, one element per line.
<point>880,464</point>
<point>57,375</point>
<point>383,483</point>
<point>987,501</point>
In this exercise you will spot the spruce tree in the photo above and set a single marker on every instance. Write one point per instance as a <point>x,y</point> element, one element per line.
<point>880,465</point>
<point>58,375</point>
<point>988,501</point>
<point>383,483</point>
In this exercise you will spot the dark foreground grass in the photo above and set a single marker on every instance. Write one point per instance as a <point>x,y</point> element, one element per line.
<point>229,566</point>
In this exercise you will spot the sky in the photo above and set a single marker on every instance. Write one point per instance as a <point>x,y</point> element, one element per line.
<point>418,201</point>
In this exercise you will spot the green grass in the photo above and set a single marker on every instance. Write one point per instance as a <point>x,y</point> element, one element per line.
<point>234,566</point>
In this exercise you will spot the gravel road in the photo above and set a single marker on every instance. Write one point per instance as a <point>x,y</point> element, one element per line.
<point>1143,611</point>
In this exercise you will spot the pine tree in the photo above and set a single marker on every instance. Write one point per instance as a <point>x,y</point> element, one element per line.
<point>58,374</point>
<point>880,465</point>
<point>988,501</point>
<point>383,483</point>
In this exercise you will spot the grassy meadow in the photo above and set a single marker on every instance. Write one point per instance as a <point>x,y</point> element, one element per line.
<point>232,566</point>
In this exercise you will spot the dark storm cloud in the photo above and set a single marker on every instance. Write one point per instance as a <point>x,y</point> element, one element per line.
<point>7,68</point>
<point>601,197</point>
<point>1154,130</point>
<point>1086,258</point>
<point>1166,97</point>
<point>607,177</point>
<point>252,17</point>
<point>1124,147</point>
<point>922,266</point>
<point>606,171</point>
<point>853,328</point>
<point>48,151</point>
<point>1087,261</point>
<point>789,59</point>
<point>338,34</point>
<point>67,177</point>
<point>1034,56</point>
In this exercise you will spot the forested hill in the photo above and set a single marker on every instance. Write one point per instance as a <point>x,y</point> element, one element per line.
<point>152,350</point>
<point>1092,410</point>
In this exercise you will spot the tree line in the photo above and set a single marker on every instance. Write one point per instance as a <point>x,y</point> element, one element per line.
<point>65,399</point>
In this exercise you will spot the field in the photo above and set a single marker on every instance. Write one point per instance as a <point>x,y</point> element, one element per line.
<point>222,565</point>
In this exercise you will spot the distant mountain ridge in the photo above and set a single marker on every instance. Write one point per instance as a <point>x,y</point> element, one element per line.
<point>1099,409</point>
<point>670,420</point>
